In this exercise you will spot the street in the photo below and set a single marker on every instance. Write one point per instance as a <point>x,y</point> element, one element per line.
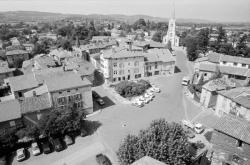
<point>118,120</point>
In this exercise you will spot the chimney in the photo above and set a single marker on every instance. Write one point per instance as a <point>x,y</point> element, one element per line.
<point>34,93</point>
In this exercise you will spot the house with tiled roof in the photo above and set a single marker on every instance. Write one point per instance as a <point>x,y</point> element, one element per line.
<point>16,57</point>
<point>5,71</point>
<point>21,84</point>
<point>34,107</point>
<point>10,117</point>
<point>234,102</point>
<point>231,141</point>
<point>231,66</point>
<point>210,91</point>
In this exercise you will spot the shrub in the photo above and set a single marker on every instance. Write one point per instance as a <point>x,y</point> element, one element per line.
<point>130,88</point>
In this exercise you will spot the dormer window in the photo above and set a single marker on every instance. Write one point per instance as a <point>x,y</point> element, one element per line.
<point>239,143</point>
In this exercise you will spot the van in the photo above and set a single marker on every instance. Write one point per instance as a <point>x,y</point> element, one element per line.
<point>185,81</point>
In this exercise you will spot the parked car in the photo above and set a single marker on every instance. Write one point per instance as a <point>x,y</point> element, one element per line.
<point>138,103</point>
<point>57,144</point>
<point>188,124</point>
<point>185,81</point>
<point>100,101</point>
<point>46,146</point>
<point>3,160</point>
<point>103,160</point>
<point>20,153</point>
<point>35,149</point>
<point>198,128</point>
<point>95,95</point>
<point>83,132</point>
<point>68,140</point>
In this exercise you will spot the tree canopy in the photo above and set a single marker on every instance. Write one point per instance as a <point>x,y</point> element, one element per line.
<point>166,142</point>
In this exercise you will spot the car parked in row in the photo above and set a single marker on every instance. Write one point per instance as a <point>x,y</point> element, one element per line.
<point>57,143</point>
<point>21,154</point>
<point>197,127</point>
<point>35,149</point>
<point>46,147</point>
<point>68,140</point>
<point>98,98</point>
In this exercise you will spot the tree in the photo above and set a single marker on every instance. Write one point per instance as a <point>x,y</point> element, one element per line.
<point>222,37</point>
<point>203,39</point>
<point>241,46</point>
<point>65,44</point>
<point>166,142</point>
<point>157,36</point>
<point>139,24</point>
<point>191,44</point>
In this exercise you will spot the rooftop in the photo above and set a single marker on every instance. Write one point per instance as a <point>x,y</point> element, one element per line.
<point>239,95</point>
<point>35,103</point>
<point>234,127</point>
<point>219,84</point>
<point>163,55</point>
<point>22,82</point>
<point>65,81</point>
<point>16,52</point>
<point>121,53</point>
<point>9,110</point>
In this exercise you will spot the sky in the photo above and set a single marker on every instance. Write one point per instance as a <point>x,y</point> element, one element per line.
<point>213,10</point>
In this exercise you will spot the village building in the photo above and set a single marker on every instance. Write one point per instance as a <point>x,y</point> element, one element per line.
<point>34,107</point>
<point>159,62</point>
<point>234,102</point>
<point>16,57</point>
<point>209,93</point>
<point>231,141</point>
<point>10,117</point>
<point>5,71</point>
<point>119,64</point>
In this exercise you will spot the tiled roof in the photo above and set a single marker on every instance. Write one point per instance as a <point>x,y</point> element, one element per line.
<point>219,84</point>
<point>235,127</point>
<point>154,44</point>
<point>4,68</point>
<point>225,147</point>
<point>121,53</point>
<point>208,67</point>
<point>85,68</point>
<point>214,57</point>
<point>65,81</point>
<point>39,91</point>
<point>9,110</point>
<point>237,59</point>
<point>35,103</point>
<point>155,55</point>
<point>16,52</point>
<point>22,82</point>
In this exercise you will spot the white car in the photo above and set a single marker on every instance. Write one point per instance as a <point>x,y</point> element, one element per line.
<point>155,89</point>
<point>198,128</point>
<point>185,81</point>
<point>188,124</point>
<point>20,154</point>
<point>35,149</point>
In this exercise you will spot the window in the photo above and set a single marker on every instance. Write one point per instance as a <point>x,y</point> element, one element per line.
<point>156,66</point>
<point>115,71</point>
<point>60,92</point>
<point>12,123</point>
<point>79,104</point>
<point>129,64</point>
<point>156,72</point>
<point>119,78</point>
<point>78,96</point>
<point>114,79</point>
<point>115,65</point>
<point>224,62</point>
<point>128,77</point>
<point>136,70</point>
<point>68,90</point>
<point>121,72</point>
<point>20,94</point>
<point>243,65</point>
<point>139,75</point>
<point>61,100</point>
<point>121,65</point>
<point>71,98</point>
<point>123,78</point>
<point>239,143</point>
<point>136,63</point>
<point>235,63</point>
<point>128,71</point>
